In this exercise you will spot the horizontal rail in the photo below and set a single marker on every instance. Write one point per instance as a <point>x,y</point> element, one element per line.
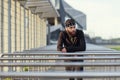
<point>81,53</point>
<point>54,51</point>
<point>61,64</point>
<point>64,58</point>
<point>61,74</point>
<point>49,49</point>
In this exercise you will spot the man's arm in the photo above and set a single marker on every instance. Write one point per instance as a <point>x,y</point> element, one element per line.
<point>80,47</point>
<point>60,42</point>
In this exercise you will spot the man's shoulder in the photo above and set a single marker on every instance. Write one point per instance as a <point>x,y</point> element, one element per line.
<point>63,32</point>
<point>79,31</point>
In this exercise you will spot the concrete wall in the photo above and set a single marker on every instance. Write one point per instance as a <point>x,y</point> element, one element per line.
<point>27,30</point>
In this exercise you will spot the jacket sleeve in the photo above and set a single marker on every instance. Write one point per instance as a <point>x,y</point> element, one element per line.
<point>60,42</point>
<point>81,46</point>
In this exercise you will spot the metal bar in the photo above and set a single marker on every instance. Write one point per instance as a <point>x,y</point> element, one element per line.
<point>64,58</point>
<point>61,64</point>
<point>61,74</point>
<point>53,49</point>
<point>30,54</point>
<point>36,50</point>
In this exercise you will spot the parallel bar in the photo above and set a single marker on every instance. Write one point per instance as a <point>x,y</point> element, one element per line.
<point>50,51</point>
<point>61,74</point>
<point>87,51</point>
<point>59,64</point>
<point>81,53</point>
<point>77,51</point>
<point>53,49</point>
<point>64,58</point>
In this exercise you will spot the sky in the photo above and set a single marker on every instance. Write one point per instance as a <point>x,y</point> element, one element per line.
<point>103,16</point>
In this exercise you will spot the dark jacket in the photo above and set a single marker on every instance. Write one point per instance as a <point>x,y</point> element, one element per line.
<point>64,41</point>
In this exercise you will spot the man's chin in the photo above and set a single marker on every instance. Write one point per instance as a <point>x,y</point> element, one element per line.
<point>73,33</point>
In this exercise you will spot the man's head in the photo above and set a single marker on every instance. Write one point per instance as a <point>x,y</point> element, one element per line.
<point>70,26</point>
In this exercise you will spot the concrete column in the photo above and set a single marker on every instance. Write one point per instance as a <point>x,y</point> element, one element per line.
<point>48,35</point>
<point>9,26</point>
<point>28,29</point>
<point>25,29</point>
<point>31,31</point>
<point>9,31</point>
<point>55,20</point>
<point>2,26</point>
<point>34,31</point>
<point>15,25</point>
<point>20,29</point>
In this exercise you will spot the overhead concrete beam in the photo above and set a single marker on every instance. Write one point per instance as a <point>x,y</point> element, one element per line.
<point>44,10</point>
<point>37,3</point>
<point>23,2</point>
<point>33,9</point>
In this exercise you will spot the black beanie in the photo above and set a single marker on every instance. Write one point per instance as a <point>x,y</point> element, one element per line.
<point>69,22</point>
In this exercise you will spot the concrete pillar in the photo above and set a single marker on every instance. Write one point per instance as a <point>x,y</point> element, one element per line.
<point>25,29</point>
<point>48,35</point>
<point>28,29</point>
<point>34,30</point>
<point>2,26</point>
<point>20,29</point>
<point>15,25</point>
<point>9,26</point>
<point>55,20</point>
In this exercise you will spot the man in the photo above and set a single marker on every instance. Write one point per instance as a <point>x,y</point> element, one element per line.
<point>71,40</point>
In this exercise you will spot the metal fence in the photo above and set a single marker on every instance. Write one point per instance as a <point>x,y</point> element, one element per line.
<point>102,65</point>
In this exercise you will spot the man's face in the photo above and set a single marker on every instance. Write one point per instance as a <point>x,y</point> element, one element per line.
<point>71,29</point>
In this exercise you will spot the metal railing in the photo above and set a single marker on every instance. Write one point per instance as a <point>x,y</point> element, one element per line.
<point>18,61</point>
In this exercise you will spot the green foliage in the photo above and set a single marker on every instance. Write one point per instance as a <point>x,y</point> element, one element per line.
<point>25,68</point>
<point>116,48</point>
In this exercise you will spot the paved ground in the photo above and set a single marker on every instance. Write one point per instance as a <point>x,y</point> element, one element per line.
<point>89,47</point>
